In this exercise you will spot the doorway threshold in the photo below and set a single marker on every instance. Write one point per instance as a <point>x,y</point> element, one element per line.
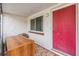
<point>60,53</point>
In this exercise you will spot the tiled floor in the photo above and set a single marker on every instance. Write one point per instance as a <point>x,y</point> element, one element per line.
<point>40,51</point>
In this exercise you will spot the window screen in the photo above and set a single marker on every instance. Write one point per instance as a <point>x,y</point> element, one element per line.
<point>37,24</point>
<point>33,26</point>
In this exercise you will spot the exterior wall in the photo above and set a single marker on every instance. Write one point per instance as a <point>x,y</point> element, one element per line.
<point>43,40</point>
<point>13,25</point>
<point>46,40</point>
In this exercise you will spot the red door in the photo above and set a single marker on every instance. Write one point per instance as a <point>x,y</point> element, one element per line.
<point>64,30</point>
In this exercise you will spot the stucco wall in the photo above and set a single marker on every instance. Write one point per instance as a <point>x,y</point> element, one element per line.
<point>13,25</point>
<point>46,40</point>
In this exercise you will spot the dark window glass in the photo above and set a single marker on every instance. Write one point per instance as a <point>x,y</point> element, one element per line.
<point>33,24</point>
<point>39,24</point>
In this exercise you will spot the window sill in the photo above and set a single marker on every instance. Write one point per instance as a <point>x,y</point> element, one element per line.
<point>40,33</point>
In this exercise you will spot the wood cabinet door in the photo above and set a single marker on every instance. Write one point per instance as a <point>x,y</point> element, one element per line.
<point>64,29</point>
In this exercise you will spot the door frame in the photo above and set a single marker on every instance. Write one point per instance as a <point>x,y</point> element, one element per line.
<point>60,6</point>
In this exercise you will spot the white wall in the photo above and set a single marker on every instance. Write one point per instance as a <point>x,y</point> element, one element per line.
<point>46,40</point>
<point>13,25</point>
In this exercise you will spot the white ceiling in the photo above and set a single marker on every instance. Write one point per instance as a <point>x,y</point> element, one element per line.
<point>25,9</point>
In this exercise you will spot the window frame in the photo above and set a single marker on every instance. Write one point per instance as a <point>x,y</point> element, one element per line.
<point>35,25</point>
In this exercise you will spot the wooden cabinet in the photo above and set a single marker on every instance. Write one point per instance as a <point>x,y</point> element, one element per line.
<point>20,46</point>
